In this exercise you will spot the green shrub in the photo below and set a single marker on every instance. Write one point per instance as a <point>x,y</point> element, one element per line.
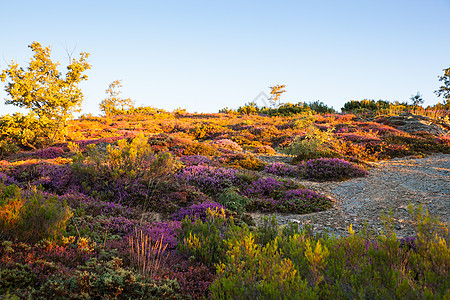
<point>127,159</point>
<point>324,267</point>
<point>320,107</point>
<point>264,150</point>
<point>24,130</point>
<point>203,240</point>
<point>242,161</point>
<point>249,109</point>
<point>267,231</point>
<point>251,271</point>
<point>31,216</point>
<point>359,105</point>
<point>232,200</point>
<point>205,131</point>
<point>8,147</point>
<point>303,121</point>
<point>127,172</point>
<point>11,203</point>
<point>313,145</point>
<point>106,280</point>
<point>287,109</point>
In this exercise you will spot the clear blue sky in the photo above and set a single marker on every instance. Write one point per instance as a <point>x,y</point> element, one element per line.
<point>206,55</point>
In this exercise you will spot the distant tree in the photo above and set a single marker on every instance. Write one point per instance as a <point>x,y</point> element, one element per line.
<point>444,90</point>
<point>114,104</point>
<point>416,100</point>
<point>51,97</point>
<point>320,107</point>
<point>248,109</point>
<point>275,93</point>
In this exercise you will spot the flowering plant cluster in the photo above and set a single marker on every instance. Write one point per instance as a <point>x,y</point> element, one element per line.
<point>195,160</point>
<point>281,169</point>
<point>196,211</point>
<point>210,180</point>
<point>324,169</point>
<point>7,180</point>
<point>185,185</point>
<point>50,152</point>
<point>52,177</point>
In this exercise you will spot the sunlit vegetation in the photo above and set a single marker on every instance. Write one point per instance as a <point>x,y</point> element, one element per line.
<point>144,203</point>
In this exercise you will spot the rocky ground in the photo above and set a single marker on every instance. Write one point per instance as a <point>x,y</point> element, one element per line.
<point>391,184</point>
<point>416,123</point>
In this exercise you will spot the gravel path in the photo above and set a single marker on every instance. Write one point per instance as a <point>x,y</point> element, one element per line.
<point>390,184</point>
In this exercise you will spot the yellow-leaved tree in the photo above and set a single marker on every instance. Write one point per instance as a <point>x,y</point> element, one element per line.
<point>275,94</point>
<point>50,96</point>
<point>114,105</point>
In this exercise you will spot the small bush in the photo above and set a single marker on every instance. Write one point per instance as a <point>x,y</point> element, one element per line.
<point>281,169</point>
<point>232,200</point>
<point>106,280</point>
<point>226,144</point>
<point>197,211</point>
<point>33,215</point>
<point>208,179</point>
<point>325,169</point>
<point>8,147</point>
<point>242,161</point>
<point>197,148</point>
<point>313,145</point>
<point>195,160</point>
<point>11,203</point>
<point>50,152</point>
<point>360,105</point>
<point>204,240</point>
<point>264,150</point>
<point>251,271</point>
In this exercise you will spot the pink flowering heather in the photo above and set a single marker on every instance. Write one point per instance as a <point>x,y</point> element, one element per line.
<point>50,152</point>
<point>195,160</point>
<point>267,205</point>
<point>208,179</point>
<point>196,211</point>
<point>7,180</point>
<point>329,169</point>
<point>305,201</point>
<point>299,201</point>
<point>52,177</point>
<point>281,169</point>
<point>165,231</point>
<point>268,188</point>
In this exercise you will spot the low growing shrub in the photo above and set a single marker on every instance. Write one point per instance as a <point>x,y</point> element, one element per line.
<point>209,180</point>
<point>281,169</point>
<point>264,150</point>
<point>326,169</point>
<point>226,144</point>
<point>232,200</point>
<point>242,161</point>
<point>204,240</point>
<point>197,211</point>
<point>32,215</point>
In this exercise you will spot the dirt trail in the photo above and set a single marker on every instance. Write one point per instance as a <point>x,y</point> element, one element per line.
<point>390,184</point>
